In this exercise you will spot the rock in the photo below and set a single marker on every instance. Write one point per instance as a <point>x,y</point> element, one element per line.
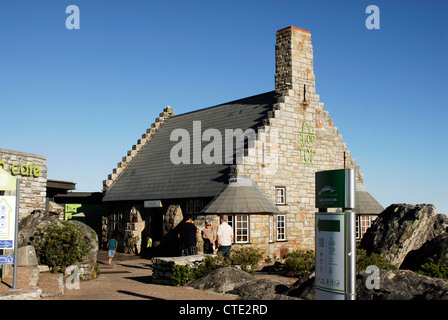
<point>276,268</point>
<point>402,285</point>
<point>436,248</point>
<point>26,257</point>
<point>222,279</point>
<point>393,285</point>
<point>260,288</point>
<point>88,265</point>
<point>29,225</point>
<point>401,228</point>
<point>303,288</point>
<point>172,218</point>
<point>162,267</point>
<point>268,296</point>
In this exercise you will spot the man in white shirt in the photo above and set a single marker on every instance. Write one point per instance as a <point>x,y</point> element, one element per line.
<point>225,237</point>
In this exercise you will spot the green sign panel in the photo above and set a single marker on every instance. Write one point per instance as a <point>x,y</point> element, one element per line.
<point>328,225</point>
<point>330,189</point>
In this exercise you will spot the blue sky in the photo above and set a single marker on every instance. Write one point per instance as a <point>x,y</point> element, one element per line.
<point>83,97</point>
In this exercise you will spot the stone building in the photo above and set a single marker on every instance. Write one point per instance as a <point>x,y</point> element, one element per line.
<point>253,159</point>
<point>31,169</point>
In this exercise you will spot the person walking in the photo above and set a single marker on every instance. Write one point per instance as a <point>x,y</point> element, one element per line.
<point>209,238</point>
<point>225,237</point>
<point>111,249</point>
<point>188,237</point>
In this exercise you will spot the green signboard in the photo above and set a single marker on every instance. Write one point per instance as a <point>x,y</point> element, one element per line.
<point>330,189</point>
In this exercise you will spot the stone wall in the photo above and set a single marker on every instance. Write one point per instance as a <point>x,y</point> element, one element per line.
<point>31,169</point>
<point>162,268</point>
<point>124,223</point>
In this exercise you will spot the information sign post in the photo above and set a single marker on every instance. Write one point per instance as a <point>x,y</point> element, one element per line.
<point>9,219</point>
<point>335,235</point>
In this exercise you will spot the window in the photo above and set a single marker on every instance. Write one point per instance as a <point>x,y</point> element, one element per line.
<point>281,227</point>
<point>241,230</point>
<point>280,195</point>
<point>194,206</point>
<point>362,224</point>
<point>240,226</point>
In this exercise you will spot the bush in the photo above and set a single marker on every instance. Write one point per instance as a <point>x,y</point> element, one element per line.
<point>299,262</point>
<point>60,245</point>
<point>182,275</point>
<point>434,269</point>
<point>247,258</point>
<point>363,261</point>
<point>211,263</point>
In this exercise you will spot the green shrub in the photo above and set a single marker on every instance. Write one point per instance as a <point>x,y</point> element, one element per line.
<point>299,262</point>
<point>363,261</point>
<point>182,275</point>
<point>211,263</point>
<point>434,269</point>
<point>59,246</point>
<point>247,258</point>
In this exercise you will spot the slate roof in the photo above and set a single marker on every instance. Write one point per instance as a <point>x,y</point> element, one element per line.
<point>365,203</point>
<point>152,176</point>
<point>242,195</point>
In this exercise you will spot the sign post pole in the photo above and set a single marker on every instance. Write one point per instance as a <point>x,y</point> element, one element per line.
<point>335,241</point>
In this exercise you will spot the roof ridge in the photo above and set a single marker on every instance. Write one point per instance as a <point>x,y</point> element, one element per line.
<point>226,103</point>
<point>150,132</point>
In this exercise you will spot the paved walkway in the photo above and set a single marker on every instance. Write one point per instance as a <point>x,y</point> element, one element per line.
<point>129,278</point>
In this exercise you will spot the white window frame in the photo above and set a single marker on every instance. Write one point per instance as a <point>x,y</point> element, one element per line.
<point>281,227</point>
<point>271,228</point>
<point>280,195</point>
<point>240,230</point>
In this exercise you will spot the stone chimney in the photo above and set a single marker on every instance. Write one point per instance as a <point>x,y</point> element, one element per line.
<point>294,73</point>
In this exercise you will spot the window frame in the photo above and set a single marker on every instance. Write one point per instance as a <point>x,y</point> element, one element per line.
<point>281,235</point>
<point>282,202</point>
<point>245,219</point>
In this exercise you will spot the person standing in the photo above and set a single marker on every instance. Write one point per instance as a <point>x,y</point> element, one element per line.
<point>209,237</point>
<point>225,237</point>
<point>111,249</point>
<point>188,237</point>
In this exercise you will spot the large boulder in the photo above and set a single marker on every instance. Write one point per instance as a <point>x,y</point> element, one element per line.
<point>402,285</point>
<point>29,225</point>
<point>435,249</point>
<point>401,228</point>
<point>392,285</point>
<point>88,266</point>
<point>261,289</point>
<point>222,279</point>
<point>303,288</point>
